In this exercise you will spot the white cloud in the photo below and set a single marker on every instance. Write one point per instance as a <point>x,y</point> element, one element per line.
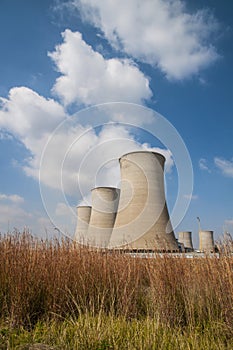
<point>226,166</point>
<point>12,198</point>
<point>159,32</point>
<point>12,216</point>
<point>31,118</point>
<point>5,136</point>
<point>88,78</point>
<point>63,209</point>
<point>78,159</point>
<point>127,113</point>
<point>203,165</point>
<point>73,149</point>
<point>27,114</point>
<point>63,155</point>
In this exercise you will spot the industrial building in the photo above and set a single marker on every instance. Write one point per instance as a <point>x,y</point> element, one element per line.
<point>185,238</point>
<point>206,241</point>
<point>83,219</point>
<point>142,220</point>
<point>135,217</point>
<point>104,208</point>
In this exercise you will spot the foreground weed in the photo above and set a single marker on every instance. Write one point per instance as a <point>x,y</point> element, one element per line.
<point>95,300</point>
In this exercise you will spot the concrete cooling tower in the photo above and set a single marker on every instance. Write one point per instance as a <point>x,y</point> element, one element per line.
<point>83,216</point>
<point>185,237</point>
<point>142,221</point>
<point>104,207</point>
<point>206,241</point>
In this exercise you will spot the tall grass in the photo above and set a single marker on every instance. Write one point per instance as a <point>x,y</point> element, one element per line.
<point>53,281</point>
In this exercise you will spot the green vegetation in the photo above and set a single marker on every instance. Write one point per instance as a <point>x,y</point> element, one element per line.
<point>68,297</point>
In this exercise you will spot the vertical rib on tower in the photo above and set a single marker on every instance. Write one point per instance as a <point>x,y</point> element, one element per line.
<point>142,220</point>
<point>185,237</point>
<point>206,241</point>
<point>83,218</point>
<point>104,207</point>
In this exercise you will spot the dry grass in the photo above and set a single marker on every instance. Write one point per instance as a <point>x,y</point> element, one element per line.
<point>52,281</point>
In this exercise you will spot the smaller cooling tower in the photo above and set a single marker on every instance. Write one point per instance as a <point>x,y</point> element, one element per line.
<point>83,218</point>
<point>104,208</point>
<point>185,237</point>
<point>206,241</point>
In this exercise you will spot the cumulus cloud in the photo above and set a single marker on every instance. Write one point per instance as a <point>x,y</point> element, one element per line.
<point>25,112</point>
<point>203,165</point>
<point>13,216</point>
<point>78,156</point>
<point>5,136</point>
<point>31,118</point>
<point>12,213</point>
<point>62,209</point>
<point>78,159</point>
<point>226,166</point>
<point>12,198</point>
<point>88,78</point>
<point>159,32</point>
<point>127,113</point>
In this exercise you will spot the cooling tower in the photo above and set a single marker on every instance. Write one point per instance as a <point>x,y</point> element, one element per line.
<point>104,207</point>
<point>83,218</point>
<point>142,220</point>
<point>206,241</point>
<point>185,238</point>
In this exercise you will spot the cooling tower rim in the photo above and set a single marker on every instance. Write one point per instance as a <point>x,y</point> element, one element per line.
<point>105,187</point>
<point>188,231</point>
<point>84,206</point>
<point>147,152</point>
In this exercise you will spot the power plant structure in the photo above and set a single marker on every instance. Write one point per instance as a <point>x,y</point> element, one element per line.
<point>185,238</point>
<point>142,220</point>
<point>135,217</point>
<point>206,241</point>
<point>104,208</point>
<point>83,216</point>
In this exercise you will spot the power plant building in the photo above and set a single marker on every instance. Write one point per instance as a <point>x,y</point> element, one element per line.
<point>206,241</point>
<point>83,216</point>
<point>185,238</point>
<point>142,220</point>
<point>135,217</point>
<point>104,208</point>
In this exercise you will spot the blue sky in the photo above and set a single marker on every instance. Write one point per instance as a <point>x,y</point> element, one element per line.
<point>58,57</point>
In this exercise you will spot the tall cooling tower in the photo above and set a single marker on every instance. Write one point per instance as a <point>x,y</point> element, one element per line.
<point>104,207</point>
<point>83,218</point>
<point>142,220</point>
<point>206,241</point>
<point>185,237</point>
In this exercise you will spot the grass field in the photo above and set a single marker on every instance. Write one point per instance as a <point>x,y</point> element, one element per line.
<point>67,297</point>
